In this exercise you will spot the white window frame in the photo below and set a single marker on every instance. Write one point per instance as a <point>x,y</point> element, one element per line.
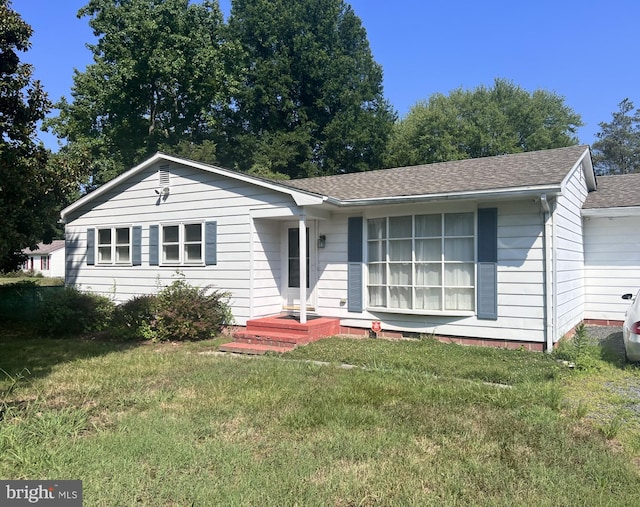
<point>114,247</point>
<point>384,245</point>
<point>182,244</point>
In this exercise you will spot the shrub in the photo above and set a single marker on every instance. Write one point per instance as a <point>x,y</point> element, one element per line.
<point>135,319</point>
<point>579,350</point>
<point>179,312</point>
<point>185,312</point>
<point>70,311</point>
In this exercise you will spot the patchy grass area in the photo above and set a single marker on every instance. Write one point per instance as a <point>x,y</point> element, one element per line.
<point>417,423</point>
<point>38,280</point>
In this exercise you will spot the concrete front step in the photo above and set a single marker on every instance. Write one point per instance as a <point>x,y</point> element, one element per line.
<point>253,348</point>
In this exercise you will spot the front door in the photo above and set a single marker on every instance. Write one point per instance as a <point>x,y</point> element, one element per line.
<point>291,263</point>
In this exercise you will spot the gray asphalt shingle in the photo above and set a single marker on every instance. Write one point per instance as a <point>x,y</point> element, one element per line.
<point>619,191</point>
<point>520,170</point>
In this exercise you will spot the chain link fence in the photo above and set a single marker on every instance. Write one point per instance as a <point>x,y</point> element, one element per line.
<point>22,302</point>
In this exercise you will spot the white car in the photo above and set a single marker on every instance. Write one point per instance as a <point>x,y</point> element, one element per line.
<point>631,328</point>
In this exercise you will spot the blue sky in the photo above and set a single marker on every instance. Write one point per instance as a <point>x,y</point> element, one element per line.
<point>585,51</point>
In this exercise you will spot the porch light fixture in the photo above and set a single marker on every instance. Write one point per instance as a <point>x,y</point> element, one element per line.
<point>322,241</point>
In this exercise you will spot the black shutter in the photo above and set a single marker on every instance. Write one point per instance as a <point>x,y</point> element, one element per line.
<point>91,247</point>
<point>488,263</point>
<point>211,243</point>
<point>153,245</point>
<point>354,266</point>
<point>136,246</point>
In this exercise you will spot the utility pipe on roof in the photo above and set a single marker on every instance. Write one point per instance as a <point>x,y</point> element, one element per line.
<point>549,260</point>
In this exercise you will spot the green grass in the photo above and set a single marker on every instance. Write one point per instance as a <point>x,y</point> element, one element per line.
<point>417,423</point>
<point>38,280</point>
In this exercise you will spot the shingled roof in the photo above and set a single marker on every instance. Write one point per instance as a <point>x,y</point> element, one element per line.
<point>516,171</point>
<point>46,248</point>
<point>620,191</point>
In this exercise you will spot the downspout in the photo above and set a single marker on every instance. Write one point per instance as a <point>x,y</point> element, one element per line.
<point>549,261</point>
<point>252,229</point>
<point>302,225</point>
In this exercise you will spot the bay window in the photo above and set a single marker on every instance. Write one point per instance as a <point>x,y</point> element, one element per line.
<point>422,262</point>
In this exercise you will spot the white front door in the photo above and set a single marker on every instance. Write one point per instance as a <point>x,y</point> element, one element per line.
<point>291,263</point>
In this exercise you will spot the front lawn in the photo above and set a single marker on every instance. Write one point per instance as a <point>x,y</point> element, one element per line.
<point>38,280</point>
<point>413,423</point>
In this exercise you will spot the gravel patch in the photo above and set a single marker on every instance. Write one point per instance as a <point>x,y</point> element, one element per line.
<point>609,337</point>
<point>605,334</point>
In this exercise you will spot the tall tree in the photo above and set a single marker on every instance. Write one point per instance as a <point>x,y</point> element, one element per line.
<point>311,100</point>
<point>617,150</point>
<point>159,81</point>
<point>480,123</point>
<point>30,189</point>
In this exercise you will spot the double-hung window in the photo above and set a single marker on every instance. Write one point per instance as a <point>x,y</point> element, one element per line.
<point>182,243</point>
<point>424,263</point>
<point>114,245</point>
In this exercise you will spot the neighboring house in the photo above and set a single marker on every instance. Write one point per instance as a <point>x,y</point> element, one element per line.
<point>48,259</point>
<point>489,249</point>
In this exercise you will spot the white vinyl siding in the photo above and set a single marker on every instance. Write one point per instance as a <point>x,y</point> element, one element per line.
<point>569,251</point>
<point>612,265</point>
<point>196,197</point>
<point>520,277</point>
<point>267,271</point>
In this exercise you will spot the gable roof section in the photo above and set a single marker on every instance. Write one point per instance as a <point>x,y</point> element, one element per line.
<point>506,175</point>
<point>300,196</point>
<point>616,195</point>
<point>536,171</point>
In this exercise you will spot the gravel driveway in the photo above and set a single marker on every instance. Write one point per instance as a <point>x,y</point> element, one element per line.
<point>607,336</point>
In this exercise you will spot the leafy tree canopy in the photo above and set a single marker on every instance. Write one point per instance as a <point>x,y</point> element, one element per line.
<point>159,81</point>
<point>481,123</point>
<point>31,186</point>
<point>310,102</point>
<point>617,150</point>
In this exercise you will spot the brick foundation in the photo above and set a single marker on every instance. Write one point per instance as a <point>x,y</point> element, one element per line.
<point>600,322</point>
<point>460,340</point>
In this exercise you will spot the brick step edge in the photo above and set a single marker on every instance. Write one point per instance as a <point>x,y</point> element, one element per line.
<point>253,348</point>
<point>284,338</point>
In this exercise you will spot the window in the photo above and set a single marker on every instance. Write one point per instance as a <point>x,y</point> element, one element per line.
<point>114,245</point>
<point>422,262</point>
<point>182,244</point>
<point>44,263</point>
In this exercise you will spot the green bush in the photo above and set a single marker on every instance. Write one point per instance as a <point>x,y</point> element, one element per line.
<point>185,312</point>
<point>179,312</point>
<point>70,311</point>
<point>135,319</point>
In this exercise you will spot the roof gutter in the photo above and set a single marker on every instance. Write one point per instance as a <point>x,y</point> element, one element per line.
<point>550,190</point>
<point>628,211</point>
